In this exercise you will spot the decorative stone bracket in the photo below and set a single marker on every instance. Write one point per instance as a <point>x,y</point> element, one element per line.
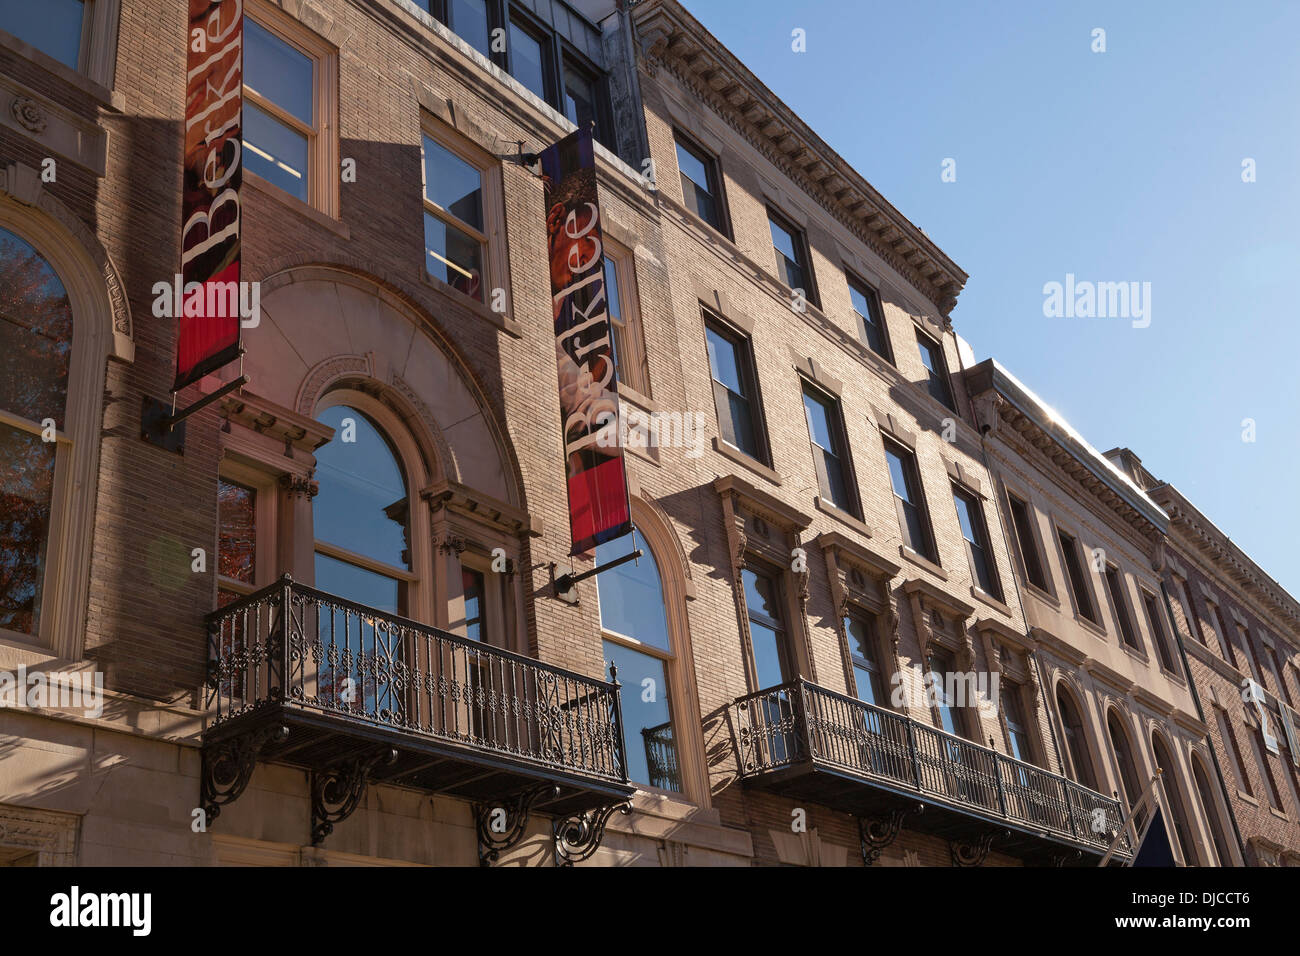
<point>578,837</point>
<point>337,791</point>
<point>513,816</point>
<point>876,833</point>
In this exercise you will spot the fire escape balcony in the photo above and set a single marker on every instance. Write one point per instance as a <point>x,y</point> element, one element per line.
<point>810,743</point>
<point>354,695</point>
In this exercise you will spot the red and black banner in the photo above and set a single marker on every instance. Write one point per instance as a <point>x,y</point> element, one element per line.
<point>593,450</point>
<point>208,333</point>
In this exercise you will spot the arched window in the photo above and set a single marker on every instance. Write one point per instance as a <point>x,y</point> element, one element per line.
<point>1170,780</point>
<point>634,626</point>
<point>1211,812</point>
<point>361,515</point>
<point>1075,741</point>
<point>361,519</point>
<point>35,443</point>
<point>1127,768</point>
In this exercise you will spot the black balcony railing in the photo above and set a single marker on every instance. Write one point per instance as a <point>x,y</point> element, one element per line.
<point>800,724</point>
<point>459,716</point>
<point>661,757</point>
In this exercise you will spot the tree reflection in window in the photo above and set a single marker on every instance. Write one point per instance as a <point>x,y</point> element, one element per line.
<point>35,348</point>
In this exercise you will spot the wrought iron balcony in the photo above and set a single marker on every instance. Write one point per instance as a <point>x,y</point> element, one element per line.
<point>351,694</point>
<point>805,741</point>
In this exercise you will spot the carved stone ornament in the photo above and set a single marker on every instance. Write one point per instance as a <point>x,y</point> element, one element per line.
<point>297,485</point>
<point>28,114</point>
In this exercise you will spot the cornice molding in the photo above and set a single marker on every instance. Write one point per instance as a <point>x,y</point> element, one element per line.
<point>672,38</point>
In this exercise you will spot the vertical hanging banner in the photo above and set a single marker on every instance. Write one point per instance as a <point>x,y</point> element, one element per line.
<point>593,449</point>
<point>208,313</point>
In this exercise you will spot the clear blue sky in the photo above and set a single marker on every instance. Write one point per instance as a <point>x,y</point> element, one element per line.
<point>1116,166</point>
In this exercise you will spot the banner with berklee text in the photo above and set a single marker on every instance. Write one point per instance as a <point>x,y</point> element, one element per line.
<point>597,481</point>
<point>208,325</point>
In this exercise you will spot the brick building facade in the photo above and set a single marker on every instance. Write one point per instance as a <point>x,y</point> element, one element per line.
<point>818,526</point>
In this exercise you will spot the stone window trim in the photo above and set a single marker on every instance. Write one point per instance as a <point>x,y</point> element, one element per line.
<point>323,143</point>
<point>268,486</point>
<point>637,385</point>
<point>1085,563</point>
<point>763,531</point>
<point>924,599</point>
<point>52,835</point>
<point>892,426</point>
<point>496,258</point>
<point>467,527</point>
<point>710,148</point>
<point>1036,540</point>
<point>861,578</point>
<point>101,329</point>
<point>965,477</point>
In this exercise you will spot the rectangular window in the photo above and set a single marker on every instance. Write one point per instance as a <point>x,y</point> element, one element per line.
<point>626,338</point>
<point>909,501</point>
<point>701,183</point>
<point>731,365</point>
<point>950,718</point>
<point>1225,643</point>
<point>1158,633</point>
<point>580,98</point>
<point>1077,577</point>
<point>280,122</point>
<point>1017,726</point>
<point>1248,651</point>
<point>936,369</point>
<point>468,19</point>
<point>970,515</point>
<point>475,605</point>
<point>1279,675</point>
<point>236,541</point>
<point>55,27</point>
<point>1234,752</point>
<point>454,237</point>
<point>830,449</point>
<point>1265,770</point>
<point>529,59</point>
<point>871,318</point>
<point>773,662</point>
<point>1193,616</point>
<point>791,248</point>
<point>1022,524</point>
<point>1115,588</point>
<point>867,674</point>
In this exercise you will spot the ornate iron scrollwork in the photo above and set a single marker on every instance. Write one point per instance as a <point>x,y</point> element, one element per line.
<point>578,837</point>
<point>493,842</point>
<point>227,767</point>
<point>876,833</point>
<point>972,853</point>
<point>336,791</point>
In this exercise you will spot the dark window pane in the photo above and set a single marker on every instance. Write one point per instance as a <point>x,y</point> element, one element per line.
<point>35,333</point>
<point>355,584</point>
<point>52,26</point>
<point>26,490</point>
<point>1017,728</point>
<point>453,184</point>
<point>631,595</point>
<point>699,184</point>
<point>1078,581</point>
<point>866,670</point>
<point>469,20</point>
<point>907,496</point>
<point>823,428</point>
<point>362,502</point>
<point>471,583</point>
<point>1115,585</point>
<point>730,393</point>
<point>237,531</point>
<point>936,370</point>
<point>871,321</point>
<point>453,257</point>
<point>647,718</point>
<point>579,98</point>
<point>1020,519</point>
<point>526,60</point>
<point>1075,740</point>
<point>941,666</point>
<point>277,71</point>
<point>790,264</point>
<point>275,152</point>
<point>971,518</point>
